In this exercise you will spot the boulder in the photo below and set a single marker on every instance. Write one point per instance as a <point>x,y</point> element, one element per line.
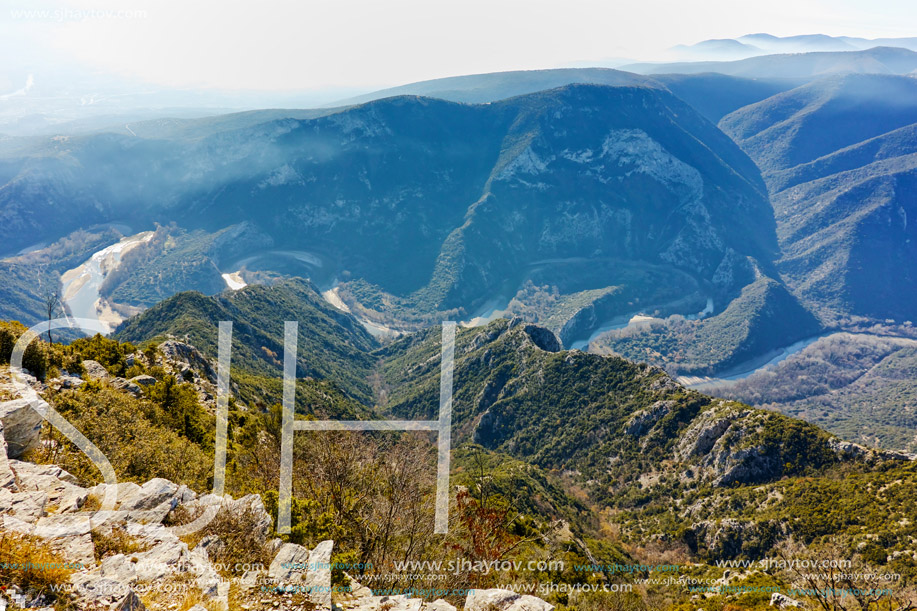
<point>504,600</point>
<point>21,426</point>
<point>781,601</point>
<point>289,563</point>
<point>151,495</point>
<point>144,380</point>
<point>96,371</point>
<point>126,386</point>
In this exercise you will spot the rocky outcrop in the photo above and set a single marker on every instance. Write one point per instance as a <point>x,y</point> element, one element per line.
<point>645,419</point>
<point>730,538</point>
<point>543,338</point>
<point>299,569</point>
<point>184,357</point>
<point>7,477</point>
<point>46,502</point>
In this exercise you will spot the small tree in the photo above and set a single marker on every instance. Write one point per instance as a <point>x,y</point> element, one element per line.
<point>53,307</point>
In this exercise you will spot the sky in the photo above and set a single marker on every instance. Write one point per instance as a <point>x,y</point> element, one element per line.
<point>286,45</point>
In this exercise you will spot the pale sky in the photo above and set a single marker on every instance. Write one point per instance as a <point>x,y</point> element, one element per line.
<point>285,45</point>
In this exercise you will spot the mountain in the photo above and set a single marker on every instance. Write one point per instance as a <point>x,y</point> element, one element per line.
<point>801,44</point>
<point>343,343</point>
<point>716,95</point>
<point>490,87</point>
<point>879,60</point>
<point>838,157</point>
<point>625,436</point>
<point>723,49</point>
<point>751,45</point>
<point>423,209</point>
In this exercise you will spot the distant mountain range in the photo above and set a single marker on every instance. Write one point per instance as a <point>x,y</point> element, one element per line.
<point>751,45</point>
<point>878,60</point>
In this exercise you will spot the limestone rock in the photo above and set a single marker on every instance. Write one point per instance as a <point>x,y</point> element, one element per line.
<point>643,420</point>
<point>96,371</point>
<point>781,601</point>
<point>144,380</point>
<point>26,506</point>
<point>7,477</point>
<point>21,426</point>
<point>126,386</point>
<point>69,535</point>
<point>310,572</point>
<point>504,600</point>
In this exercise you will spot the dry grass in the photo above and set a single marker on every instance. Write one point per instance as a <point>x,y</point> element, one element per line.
<point>31,565</point>
<point>237,533</point>
<point>116,540</point>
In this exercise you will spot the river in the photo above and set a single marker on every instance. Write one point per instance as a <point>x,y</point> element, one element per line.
<point>81,285</point>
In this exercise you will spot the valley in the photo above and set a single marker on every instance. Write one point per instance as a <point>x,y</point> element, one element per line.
<point>685,294</point>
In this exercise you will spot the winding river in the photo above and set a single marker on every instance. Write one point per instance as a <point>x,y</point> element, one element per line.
<point>81,285</point>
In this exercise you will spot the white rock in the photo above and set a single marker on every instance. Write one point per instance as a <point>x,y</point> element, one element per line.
<point>151,495</point>
<point>69,535</point>
<point>92,588</point>
<point>781,601</point>
<point>289,563</point>
<point>308,572</point>
<point>21,426</point>
<point>27,506</point>
<point>7,477</point>
<point>28,469</point>
<point>95,370</point>
<point>63,497</point>
<point>504,600</point>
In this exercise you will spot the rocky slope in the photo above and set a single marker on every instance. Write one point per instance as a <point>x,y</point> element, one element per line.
<point>44,503</point>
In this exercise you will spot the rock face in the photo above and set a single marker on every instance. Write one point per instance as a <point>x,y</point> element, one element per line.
<point>645,419</point>
<point>729,538</point>
<point>21,426</point>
